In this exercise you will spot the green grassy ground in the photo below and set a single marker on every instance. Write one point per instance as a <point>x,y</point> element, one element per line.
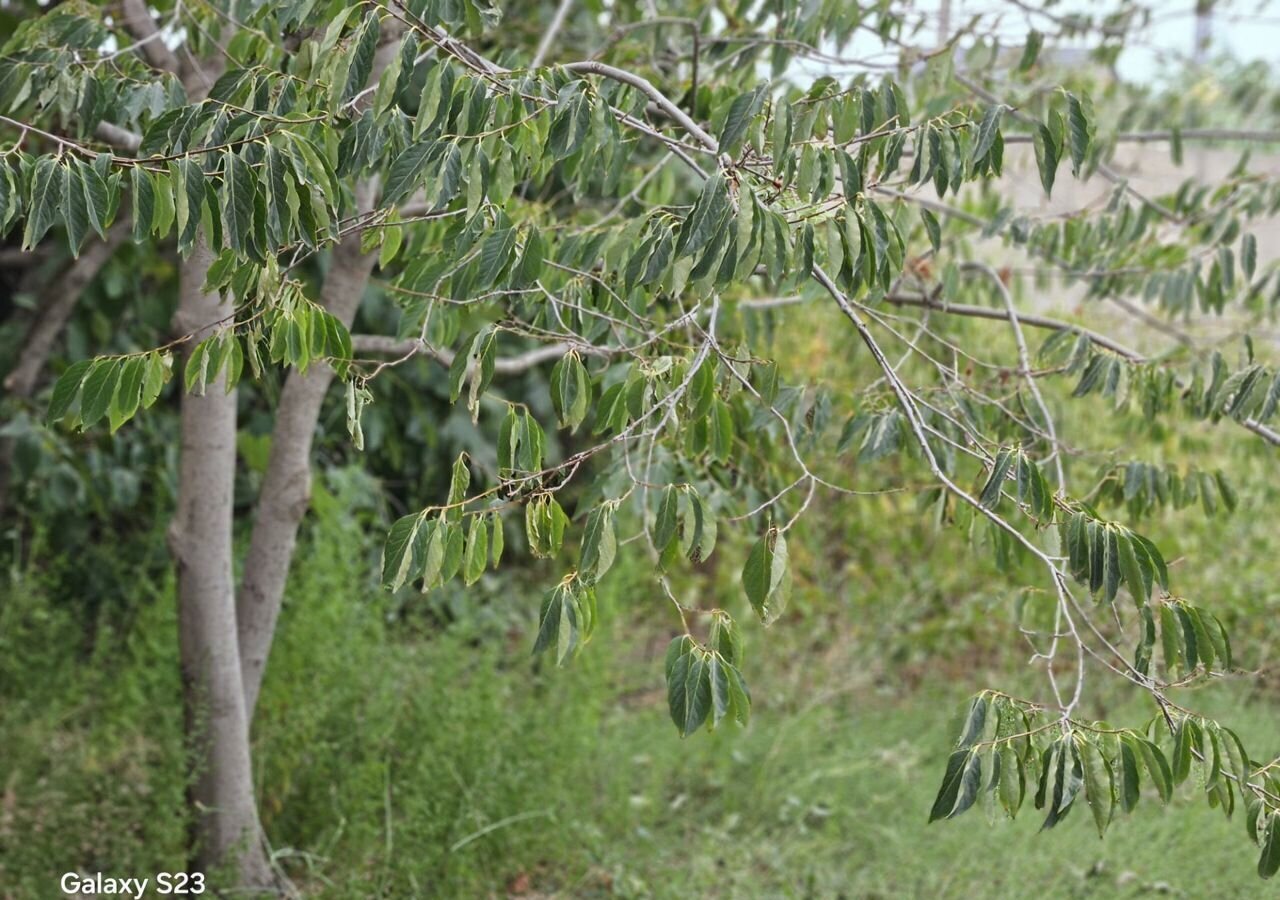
<point>396,764</point>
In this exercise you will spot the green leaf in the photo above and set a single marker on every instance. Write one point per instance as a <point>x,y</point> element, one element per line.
<point>496,538</point>
<point>1157,765</point>
<point>477,553</point>
<point>1046,151</point>
<point>495,254</point>
<point>238,203</point>
<point>188,199</point>
<point>724,637</point>
<point>766,577</point>
<point>545,523</point>
<point>97,200</point>
<point>65,390</point>
<point>721,430</point>
<point>1097,784</point>
<point>144,203</point>
<point>702,389</point>
<point>156,375</point>
<point>1030,50</point>
<point>164,205</point>
<point>277,188</point>
<point>459,482</point>
<point>970,784</point>
<point>975,721</point>
<point>1067,781</point>
<point>945,803</point>
<point>664,526</point>
<point>45,199</point>
<point>988,130</point>
<point>360,62</point>
<point>128,391</point>
<point>74,211</point>
<point>1127,774</point>
<point>570,390</point>
<point>741,111</point>
<point>697,527</point>
<point>533,258</point>
<point>1182,743</point>
<point>99,388</point>
<point>932,228</point>
<point>399,551</point>
<point>1269,861</point>
<point>405,171</point>
<point>1157,561</point>
<point>1013,783</point>
<point>1111,563</point>
<point>688,685</point>
<point>1138,586</point>
<point>1190,640</point>
<point>1237,758</point>
<point>599,544</point>
<point>706,216</point>
<point>1079,132</point>
<point>433,537</point>
<point>562,624</point>
<point>453,550</point>
<point>990,495</point>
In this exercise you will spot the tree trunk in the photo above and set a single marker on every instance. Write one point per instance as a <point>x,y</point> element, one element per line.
<point>225,824</point>
<point>286,488</point>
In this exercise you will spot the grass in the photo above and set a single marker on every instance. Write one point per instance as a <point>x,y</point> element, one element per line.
<point>417,750</point>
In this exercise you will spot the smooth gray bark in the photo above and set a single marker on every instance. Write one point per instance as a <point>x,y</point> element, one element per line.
<point>225,818</point>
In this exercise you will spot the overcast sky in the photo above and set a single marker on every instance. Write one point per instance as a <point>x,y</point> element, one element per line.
<point>1246,29</point>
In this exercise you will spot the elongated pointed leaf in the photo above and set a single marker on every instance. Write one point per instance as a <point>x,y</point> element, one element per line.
<point>1097,784</point>
<point>945,802</point>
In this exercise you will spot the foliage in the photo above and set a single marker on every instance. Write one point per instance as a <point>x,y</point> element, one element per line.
<point>521,219</point>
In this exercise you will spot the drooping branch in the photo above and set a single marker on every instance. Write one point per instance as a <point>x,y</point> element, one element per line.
<point>507,365</point>
<point>644,86</point>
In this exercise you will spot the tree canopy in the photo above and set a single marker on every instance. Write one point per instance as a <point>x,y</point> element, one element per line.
<point>634,201</point>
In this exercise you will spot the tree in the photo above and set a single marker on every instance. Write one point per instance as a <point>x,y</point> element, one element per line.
<point>631,218</point>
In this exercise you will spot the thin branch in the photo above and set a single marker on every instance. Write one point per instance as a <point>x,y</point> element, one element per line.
<point>118,138</point>
<point>645,87</point>
<point>1024,363</point>
<point>552,32</point>
<point>1036,321</point>
<point>137,21</point>
<point>511,365</point>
